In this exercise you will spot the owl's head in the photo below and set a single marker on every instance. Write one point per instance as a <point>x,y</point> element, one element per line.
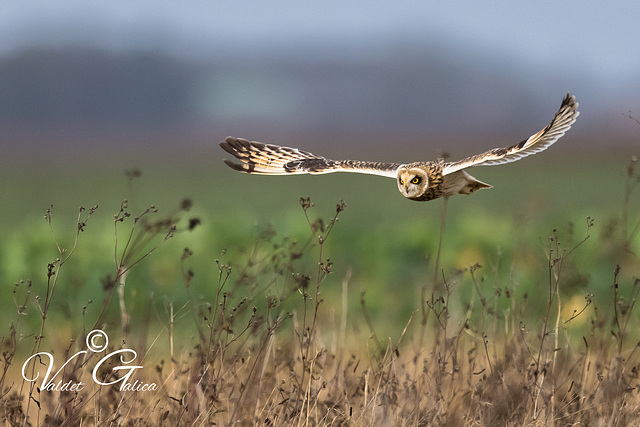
<point>412,181</point>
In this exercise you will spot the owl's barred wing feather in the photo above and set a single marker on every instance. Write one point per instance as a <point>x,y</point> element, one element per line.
<point>259,158</point>
<point>267,159</point>
<point>542,140</point>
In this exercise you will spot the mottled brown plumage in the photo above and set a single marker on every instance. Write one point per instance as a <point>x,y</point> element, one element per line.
<point>420,181</point>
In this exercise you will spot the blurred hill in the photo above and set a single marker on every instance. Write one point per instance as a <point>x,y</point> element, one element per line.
<point>413,90</point>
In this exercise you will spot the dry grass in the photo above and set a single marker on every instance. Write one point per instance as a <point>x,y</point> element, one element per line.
<point>270,354</point>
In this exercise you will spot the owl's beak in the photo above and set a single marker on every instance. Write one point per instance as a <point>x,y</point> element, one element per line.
<point>406,187</point>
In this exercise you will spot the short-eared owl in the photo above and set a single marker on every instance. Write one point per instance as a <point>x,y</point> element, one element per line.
<point>416,181</point>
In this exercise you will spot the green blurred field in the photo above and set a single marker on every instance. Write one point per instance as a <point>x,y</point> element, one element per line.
<point>388,243</point>
<point>383,246</point>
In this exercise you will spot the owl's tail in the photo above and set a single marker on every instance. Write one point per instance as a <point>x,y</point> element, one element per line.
<point>461,182</point>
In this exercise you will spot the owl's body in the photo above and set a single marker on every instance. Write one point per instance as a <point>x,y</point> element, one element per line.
<point>420,181</point>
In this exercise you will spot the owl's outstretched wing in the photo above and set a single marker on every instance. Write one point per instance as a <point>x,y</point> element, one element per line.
<point>267,159</point>
<point>542,140</point>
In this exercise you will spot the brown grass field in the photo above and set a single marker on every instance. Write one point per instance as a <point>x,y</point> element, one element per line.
<point>275,338</point>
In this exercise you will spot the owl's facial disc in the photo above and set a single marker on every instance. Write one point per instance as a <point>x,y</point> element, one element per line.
<point>412,182</point>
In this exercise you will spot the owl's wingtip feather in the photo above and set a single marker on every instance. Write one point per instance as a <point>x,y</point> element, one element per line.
<point>570,100</point>
<point>240,167</point>
<point>235,146</point>
<point>231,143</point>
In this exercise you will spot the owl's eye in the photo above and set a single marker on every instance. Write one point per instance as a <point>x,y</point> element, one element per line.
<point>401,181</point>
<point>415,180</point>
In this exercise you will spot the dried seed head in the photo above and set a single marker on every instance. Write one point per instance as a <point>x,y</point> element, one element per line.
<point>186,253</point>
<point>305,202</point>
<point>193,223</point>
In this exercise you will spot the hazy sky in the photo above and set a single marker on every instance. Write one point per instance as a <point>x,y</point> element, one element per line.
<point>537,50</point>
<point>600,37</point>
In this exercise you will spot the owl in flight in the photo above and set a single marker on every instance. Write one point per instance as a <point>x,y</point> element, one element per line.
<point>420,181</point>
